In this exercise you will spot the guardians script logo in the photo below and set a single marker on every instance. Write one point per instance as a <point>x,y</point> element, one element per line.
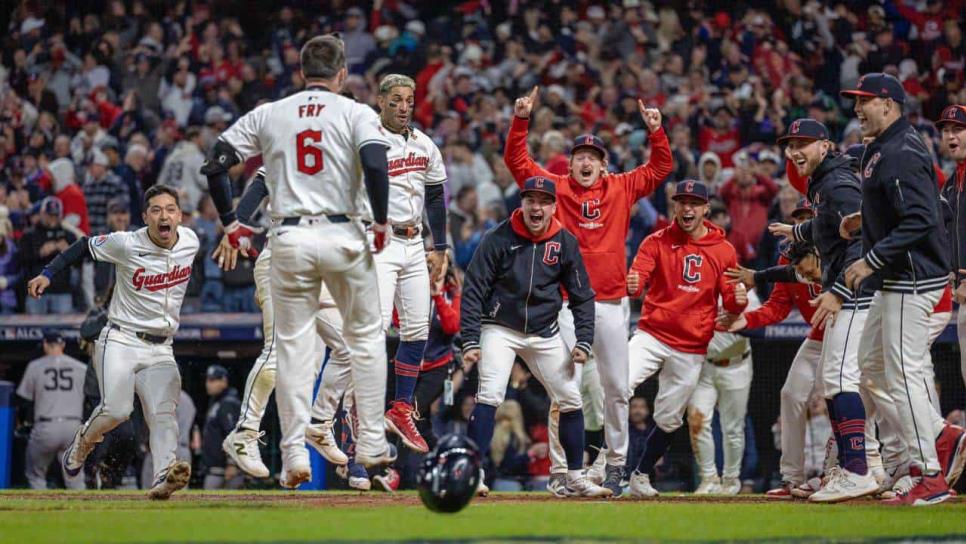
<point>162,281</point>
<point>410,163</point>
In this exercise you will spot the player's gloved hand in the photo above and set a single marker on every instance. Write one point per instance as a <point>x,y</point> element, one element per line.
<point>240,237</point>
<point>36,286</point>
<point>380,237</point>
<point>633,283</point>
<point>471,356</point>
<point>579,356</point>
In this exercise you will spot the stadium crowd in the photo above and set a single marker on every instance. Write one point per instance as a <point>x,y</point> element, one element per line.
<point>99,101</point>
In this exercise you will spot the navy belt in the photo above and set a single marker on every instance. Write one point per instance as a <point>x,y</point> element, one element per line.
<point>152,338</point>
<point>411,231</point>
<point>334,218</point>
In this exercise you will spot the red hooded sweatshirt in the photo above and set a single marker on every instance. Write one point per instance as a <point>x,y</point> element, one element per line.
<point>684,278</point>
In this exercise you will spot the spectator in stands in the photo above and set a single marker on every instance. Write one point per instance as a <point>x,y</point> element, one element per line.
<point>100,187</point>
<point>132,173</point>
<point>748,196</point>
<point>118,220</point>
<point>509,449</point>
<point>639,415</point>
<point>464,167</point>
<point>553,156</point>
<point>223,409</point>
<point>38,246</point>
<point>182,170</point>
<point>9,266</point>
<point>64,187</point>
<point>208,228</point>
<point>464,225</point>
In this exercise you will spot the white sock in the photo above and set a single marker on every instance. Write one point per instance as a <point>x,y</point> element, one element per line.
<point>574,474</point>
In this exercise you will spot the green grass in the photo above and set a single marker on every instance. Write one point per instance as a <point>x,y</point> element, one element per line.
<point>276,517</point>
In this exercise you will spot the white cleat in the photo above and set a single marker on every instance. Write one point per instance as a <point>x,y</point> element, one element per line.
<point>481,488</point>
<point>730,486</point>
<point>241,445</point>
<point>640,486</point>
<point>557,486</point>
<point>902,486</point>
<point>709,486</point>
<point>171,479</point>
<point>597,472</point>
<point>356,475</point>
<point>845,486</point>
<point>384,458</point>
<point>296,476</point>
<point>581,486</point>
<point>321,437</point>
<point>76,454</point>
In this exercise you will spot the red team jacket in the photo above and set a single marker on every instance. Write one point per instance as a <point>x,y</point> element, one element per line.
<point>684,279</point>
<point>598,216</point>
<point>779,304</point>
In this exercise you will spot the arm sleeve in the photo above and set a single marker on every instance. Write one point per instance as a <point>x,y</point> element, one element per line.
<point>727,290</point>
<point>376,172</point>
<point>252,198</point>
<point>477,285</point>
<point>783,273</point>
<point>517,157</point>
<point>774,310</point>
<point>848,200</point>
<point>436,213</point>
<point>802,232</point>
<point>912,198</point>
<point>644,262</point>
<point>449,313</point>
<point>580,295</point>
<point>69,257</point>
<point>642,181</point>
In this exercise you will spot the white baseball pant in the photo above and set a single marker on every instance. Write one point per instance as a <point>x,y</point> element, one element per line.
<point>679,375</point>
<point>404,282</point>
<point>893,347</point>
<point>800,384</point>
<point>261,379</point>
<point>125,365</point>
<point>591,392</point>
<point>728,388</point>
<point>303,257</point>
<point>547,359</point>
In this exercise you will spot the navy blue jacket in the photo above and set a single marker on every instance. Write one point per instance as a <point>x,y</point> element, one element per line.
<point>955,211</point>
<point>515,280</point>
<point>834,191</point>
<point>903,238</point>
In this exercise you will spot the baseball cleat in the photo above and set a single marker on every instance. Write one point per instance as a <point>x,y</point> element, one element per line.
<point>401,419</point>
<point>581,486</point>
<point>614,475</point>
<point>951,450</point>
<point>925,491</point>
<point>241,445</point>
<point>782,493</point>
<point>901,486</point>
<point>384,458</point>
<point>356,475</point>
<point>709,485</point>
<point>640,486</point>
<point>557,485</point>
<point>294,477</point>
<point>171,479</point>
<point>845,485</point>
<point>320,437</point>
<point>597,471</point>
<point>807,489</point>
<point>389,480</point>
<point>481,488</point>
<point>730,485</point>
<point>76,453</point>
<point>891,478</point>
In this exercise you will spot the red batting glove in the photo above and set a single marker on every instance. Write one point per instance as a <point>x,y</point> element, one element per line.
<point>240,236</point>
<point>380,237</point>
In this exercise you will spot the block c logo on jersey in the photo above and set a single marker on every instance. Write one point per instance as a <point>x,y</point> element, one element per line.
<point>691,264</point>
<point>551,253</point>
<point>590,209</point>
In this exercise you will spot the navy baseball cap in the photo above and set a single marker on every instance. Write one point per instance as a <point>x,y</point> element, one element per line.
<point>805,129</point>
<point>955,114</point>
<point>540,184</point>
<point>878,85</point>
<point>216,372</point>
<point>690,187</point>
<point>52,205</point>
<point>591,141</point>
<point>53,336</point>
<point>803,206</point>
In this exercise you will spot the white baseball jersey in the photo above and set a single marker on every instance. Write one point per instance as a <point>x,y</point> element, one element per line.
<point>151,281</point>
<point>55,384</point>
<point>414,163</point>
<point>309,144</point>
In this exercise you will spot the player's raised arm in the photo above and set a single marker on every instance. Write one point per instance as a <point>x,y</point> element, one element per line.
<point>644,179</point>
<point>515,154</point>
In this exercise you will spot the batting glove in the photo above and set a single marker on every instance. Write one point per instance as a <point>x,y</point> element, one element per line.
<point>380,237</point>
<point>240,236</point>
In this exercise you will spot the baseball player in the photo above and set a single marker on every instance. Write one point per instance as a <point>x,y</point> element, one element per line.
<point>905,248</point>
<point>725,383</point>
<point>511,300</point>
<point>54,384</point>
<point>242,443</point>
<point>133,353</point>
<point>682,269</point>
<point>318,147</point>
<point>595,206</point>
<point>416,176</point>
<point>952,125</point>
<point>803,372</point>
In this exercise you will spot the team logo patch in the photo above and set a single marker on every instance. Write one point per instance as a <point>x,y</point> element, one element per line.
<point>551,253</point>
<point>691,265</point>
<point>590,209</point>
<point>870,166</point>
<point>99,241</point>
<point>796,126</point>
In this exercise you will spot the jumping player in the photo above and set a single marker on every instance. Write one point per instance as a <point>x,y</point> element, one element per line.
<point>318,147</point>
<point>682,268</point>
<point>133,353</point>
<point>511,300</point>
<point>595,206</point>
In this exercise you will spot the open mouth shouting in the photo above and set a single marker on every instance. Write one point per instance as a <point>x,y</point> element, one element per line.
<point>165,230</point>
<point>689,220</point>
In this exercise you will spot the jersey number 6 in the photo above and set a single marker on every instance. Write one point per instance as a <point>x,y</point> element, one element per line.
<point>305,147</point>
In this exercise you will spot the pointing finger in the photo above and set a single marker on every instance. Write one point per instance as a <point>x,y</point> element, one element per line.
<point>533,94</point>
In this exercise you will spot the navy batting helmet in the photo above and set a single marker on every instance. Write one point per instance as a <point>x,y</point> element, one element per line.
<point>449,474</point>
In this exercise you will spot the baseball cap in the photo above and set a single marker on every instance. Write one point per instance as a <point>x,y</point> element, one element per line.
<point>354,11</point>
<point>52,205</point>
<point>109,142</point>
<point>539,184</point>
<point>692,188</point>
<point>805,129</point>
<point>803,206</point>
<point>955,114</point>
<point>117,205</point>
<point>216,372</point>
<point>589,140</point>
<point>880,85</point>
<point>52,336</point>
